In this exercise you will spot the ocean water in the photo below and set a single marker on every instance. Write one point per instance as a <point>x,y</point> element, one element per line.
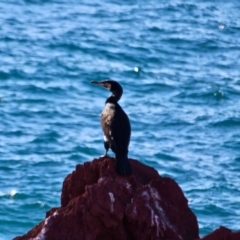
<point>178,62</point>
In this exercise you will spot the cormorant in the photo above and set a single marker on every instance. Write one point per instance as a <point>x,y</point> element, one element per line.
<point>116,127</point>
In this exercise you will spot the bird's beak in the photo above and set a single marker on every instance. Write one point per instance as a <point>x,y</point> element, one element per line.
<point>102,83</point>
<point>96,82</point>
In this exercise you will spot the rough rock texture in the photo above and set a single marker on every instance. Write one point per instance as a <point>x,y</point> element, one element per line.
<point>222,233</point>
<point>97,204</point>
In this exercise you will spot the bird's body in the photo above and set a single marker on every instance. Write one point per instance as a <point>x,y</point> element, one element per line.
<point>116,127</point>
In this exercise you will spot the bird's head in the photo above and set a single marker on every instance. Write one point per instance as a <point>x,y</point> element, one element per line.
<point>112,86</point>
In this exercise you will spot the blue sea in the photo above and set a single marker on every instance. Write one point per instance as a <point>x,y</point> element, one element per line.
<point>178,63</point>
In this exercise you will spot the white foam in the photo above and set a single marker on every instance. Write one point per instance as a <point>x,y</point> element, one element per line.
<point>136,69</point>
<point>13,192</point>
<point>221,27</point>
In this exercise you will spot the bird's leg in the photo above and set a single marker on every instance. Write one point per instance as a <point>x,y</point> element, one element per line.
<point>106,146</point>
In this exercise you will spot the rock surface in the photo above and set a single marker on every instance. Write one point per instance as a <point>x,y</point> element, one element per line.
<point>222,233</point>
<point>97,204</point>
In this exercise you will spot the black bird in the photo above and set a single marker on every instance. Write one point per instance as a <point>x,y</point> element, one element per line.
<point>116,127</point>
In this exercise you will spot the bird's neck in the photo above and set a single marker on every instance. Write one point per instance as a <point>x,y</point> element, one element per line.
<point>114,98</point>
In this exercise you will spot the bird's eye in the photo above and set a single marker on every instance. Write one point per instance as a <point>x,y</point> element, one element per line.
<point>107,85</point>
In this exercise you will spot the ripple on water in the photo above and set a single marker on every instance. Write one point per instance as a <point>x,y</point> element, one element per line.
<point>177,64</point>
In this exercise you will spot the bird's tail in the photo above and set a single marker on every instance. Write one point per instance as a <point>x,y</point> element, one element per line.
<point>123,166</point>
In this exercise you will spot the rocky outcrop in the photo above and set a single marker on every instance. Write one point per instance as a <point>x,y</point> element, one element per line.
<point>98,204</point>
<point>222,233</point>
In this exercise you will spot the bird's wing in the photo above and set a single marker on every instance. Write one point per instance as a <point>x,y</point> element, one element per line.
<point>120,132</point>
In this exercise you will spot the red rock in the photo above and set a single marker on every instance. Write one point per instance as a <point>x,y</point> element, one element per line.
<point>98,204</point>
<point>222,233</point>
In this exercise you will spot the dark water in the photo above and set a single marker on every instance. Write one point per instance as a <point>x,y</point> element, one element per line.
<point>178,63</point>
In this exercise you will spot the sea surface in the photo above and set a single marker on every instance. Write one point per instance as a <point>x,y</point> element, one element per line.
<point>178,62</point>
